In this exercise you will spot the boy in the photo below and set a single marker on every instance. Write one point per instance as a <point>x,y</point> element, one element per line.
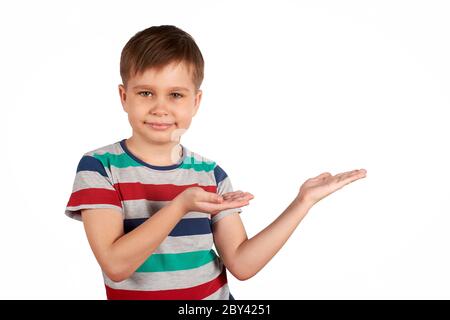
<point>151,208</point>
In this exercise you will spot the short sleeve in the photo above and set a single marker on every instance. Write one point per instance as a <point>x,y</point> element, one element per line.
<point>92,189</point>
<point>224,185</point>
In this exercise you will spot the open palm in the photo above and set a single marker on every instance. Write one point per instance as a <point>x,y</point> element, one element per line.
<point>315,189</point>
<point>235,199</point>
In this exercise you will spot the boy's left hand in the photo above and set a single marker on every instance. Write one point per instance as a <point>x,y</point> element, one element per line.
<point>315,189</point>
<point>237,196</point>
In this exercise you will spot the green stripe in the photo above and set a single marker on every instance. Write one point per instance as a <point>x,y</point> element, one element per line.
<point>116,160</point>
<point>177,261</point>
<point>124,161</point>
<point>203,166</point>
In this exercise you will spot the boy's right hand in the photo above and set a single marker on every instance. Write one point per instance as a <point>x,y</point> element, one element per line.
<point>197,199</point>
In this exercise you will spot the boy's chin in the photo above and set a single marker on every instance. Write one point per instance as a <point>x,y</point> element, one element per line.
<point>161,140</point>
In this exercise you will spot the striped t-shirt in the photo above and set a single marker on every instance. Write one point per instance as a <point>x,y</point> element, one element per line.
<point>184,266</point>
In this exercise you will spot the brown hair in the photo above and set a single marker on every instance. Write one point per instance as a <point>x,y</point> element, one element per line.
<point>157,46</point>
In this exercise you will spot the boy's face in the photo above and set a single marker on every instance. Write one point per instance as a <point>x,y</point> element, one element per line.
<point>165,96</point>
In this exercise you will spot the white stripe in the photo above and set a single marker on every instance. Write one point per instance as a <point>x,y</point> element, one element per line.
<point>182,177</point>
<point>91,179</point>
<point>142,208</point>
<point>186,244</point>
<point>75,212</point>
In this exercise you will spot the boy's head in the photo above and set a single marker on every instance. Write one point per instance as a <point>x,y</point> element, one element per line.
<point>162,70</point>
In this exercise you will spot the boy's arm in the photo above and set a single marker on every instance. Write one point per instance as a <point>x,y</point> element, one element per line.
<point>119,254</point>
<point>245,257</point>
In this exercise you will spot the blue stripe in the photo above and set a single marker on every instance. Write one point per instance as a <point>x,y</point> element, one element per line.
<point>185,227</point>
<point>219,174</point>
<point>88,163</point>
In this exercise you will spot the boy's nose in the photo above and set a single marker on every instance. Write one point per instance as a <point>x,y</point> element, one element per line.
<point>159,112</point>
<point>159,109</point>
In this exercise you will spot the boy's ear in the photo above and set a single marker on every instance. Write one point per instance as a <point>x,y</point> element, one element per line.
<point>198,98</point>
<point>123,96</point>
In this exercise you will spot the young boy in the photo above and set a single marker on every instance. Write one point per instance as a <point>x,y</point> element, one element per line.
<point>151,208</point>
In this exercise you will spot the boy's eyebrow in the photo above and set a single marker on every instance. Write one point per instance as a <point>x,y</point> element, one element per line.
<point>149,87</point>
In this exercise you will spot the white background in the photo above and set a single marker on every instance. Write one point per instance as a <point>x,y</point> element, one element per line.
<point>291,89</point>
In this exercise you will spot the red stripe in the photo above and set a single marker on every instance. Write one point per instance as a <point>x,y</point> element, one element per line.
<point>194,293</point>
<point>94,196</point>
<point>155,192</point>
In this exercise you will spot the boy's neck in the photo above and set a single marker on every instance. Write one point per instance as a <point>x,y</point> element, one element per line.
<point>155,154</point>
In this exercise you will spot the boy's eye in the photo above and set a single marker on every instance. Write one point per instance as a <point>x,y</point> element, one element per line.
<point>179,95</point>
<point>144,93</point>
<point>147,93</point>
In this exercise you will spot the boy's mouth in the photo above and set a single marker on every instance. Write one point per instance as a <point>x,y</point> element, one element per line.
<point>159,125</point>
